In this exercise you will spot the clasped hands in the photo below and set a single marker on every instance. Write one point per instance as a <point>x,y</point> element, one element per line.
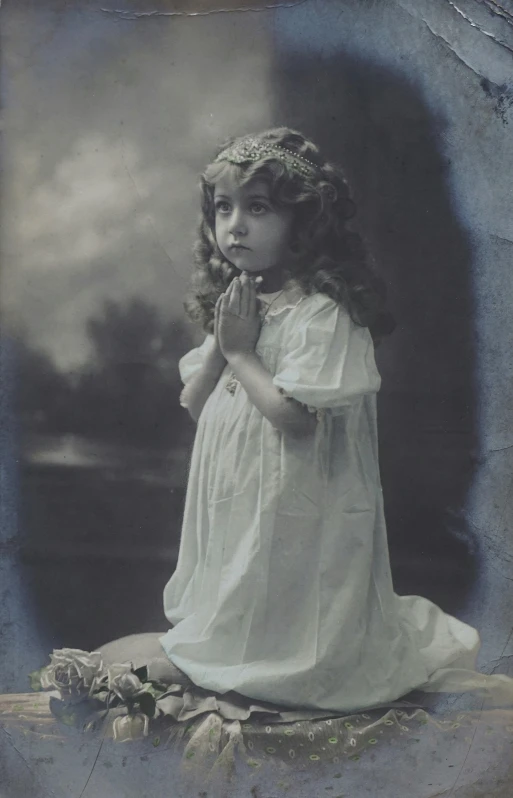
<point>237,320</point>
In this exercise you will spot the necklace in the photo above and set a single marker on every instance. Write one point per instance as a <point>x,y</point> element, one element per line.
<point>271,303</point>
<point>232,382</point>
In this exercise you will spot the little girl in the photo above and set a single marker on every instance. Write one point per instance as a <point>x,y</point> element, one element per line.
<point>283,591</point>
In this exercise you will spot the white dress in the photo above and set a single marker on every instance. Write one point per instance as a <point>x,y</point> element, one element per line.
<point>283,589</point>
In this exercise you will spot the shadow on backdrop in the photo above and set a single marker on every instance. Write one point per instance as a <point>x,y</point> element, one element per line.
<point>378,127</point>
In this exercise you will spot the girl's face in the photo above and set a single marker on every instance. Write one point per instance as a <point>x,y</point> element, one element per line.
<point>251,233</point>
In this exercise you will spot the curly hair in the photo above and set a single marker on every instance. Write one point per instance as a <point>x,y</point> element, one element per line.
<point>328,257</point>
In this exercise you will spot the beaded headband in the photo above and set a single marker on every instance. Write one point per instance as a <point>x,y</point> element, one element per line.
<point>253,149</point>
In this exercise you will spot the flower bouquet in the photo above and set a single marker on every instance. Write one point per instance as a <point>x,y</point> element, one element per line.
<point>87,689</point>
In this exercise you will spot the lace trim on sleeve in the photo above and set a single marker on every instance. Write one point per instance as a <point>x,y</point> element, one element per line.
<point>319,412</point>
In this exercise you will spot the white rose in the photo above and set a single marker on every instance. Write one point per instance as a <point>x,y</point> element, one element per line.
<point>72,671</point>
<point>130,727</point>
<point>122,681</point>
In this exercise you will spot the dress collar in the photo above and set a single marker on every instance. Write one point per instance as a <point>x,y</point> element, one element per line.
<point>290,296</point>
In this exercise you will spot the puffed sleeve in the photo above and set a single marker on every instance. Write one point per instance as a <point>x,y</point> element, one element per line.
<point>326,361</point>
<point>192,361</point>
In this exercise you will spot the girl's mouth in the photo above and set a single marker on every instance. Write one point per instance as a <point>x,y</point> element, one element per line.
<point>238,246</point>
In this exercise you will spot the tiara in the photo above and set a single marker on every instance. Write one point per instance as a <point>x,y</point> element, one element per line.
<point>253,149</point>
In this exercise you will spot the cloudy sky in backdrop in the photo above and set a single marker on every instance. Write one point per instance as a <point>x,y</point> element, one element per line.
<point>108,124</point>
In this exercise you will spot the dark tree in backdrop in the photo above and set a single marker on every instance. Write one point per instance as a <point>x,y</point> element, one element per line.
<point>129,393</point>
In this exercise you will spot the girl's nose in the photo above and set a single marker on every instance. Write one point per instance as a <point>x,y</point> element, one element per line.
<point>237,223</point>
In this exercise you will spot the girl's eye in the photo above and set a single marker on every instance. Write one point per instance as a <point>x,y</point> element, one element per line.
<point>258,208</point>
<point>222,207</point>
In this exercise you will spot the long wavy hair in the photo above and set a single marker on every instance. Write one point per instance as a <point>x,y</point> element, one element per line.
<point>326,256</point>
